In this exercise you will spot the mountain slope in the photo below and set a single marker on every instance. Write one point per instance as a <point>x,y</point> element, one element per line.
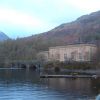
<point>84,29</point>
<point>3,36</point>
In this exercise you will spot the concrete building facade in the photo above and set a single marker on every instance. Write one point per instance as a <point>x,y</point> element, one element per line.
<point>76,52</point>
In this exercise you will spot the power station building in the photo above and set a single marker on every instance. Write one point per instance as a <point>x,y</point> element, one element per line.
<point>73,52</point>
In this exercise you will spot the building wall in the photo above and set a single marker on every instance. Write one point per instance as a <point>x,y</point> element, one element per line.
<point>43,56</point>
<point>78,52</point>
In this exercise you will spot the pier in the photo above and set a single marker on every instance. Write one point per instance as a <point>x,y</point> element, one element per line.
<point>69,76</point>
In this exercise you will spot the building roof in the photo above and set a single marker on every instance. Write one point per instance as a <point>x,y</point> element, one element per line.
<point>73,45</point>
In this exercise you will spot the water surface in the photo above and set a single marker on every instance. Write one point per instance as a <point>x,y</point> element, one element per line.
<point>26,85</point>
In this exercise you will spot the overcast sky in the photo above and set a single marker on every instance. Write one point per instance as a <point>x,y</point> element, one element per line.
<point>20,18</point>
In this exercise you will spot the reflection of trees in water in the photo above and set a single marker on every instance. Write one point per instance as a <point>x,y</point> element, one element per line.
<point>95,85</point>
<point>18,76</point>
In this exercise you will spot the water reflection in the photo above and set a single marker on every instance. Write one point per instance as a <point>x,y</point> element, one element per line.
<point>23,82</point>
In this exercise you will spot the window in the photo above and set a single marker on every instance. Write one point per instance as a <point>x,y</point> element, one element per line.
<point>80,56</point>
<point>87,56</point>
<point>57,56</point>
<point>72,55</point>
<point>52,56</point>
<point>65,57</point>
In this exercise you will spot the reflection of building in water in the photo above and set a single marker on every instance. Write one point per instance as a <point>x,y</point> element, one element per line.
<point>76,52</point>
<point>75,86</point>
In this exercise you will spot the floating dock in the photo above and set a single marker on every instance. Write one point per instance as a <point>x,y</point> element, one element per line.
<point>69,76</point>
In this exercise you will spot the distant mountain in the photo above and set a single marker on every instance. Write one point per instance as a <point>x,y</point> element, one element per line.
<point>3,36</point>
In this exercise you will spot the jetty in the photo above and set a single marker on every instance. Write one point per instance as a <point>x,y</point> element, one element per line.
<point>69,76</point>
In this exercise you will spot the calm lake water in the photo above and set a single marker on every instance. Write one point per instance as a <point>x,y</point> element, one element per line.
<point>26,85</point>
